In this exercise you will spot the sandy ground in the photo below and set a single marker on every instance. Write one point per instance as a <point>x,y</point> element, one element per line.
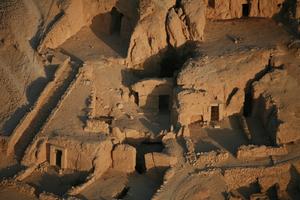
<point>253,33</point>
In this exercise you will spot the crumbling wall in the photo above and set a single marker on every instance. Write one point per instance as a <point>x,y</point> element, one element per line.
<point>230,9</point>
<point>212,158</point>
<point>240,177</point>
<point>253,152</point>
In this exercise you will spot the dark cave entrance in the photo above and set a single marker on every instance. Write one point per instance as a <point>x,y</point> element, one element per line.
<point>248,101</point>
<point>246,9</point>
<point>58,158</point>
<point>215,114</point>
<point>136,98</point>
<point>163,103</point>
<point>116,21</point>
<point>212,3</point>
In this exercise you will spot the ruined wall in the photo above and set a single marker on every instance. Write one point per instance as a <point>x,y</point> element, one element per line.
<point>253,152</point>
<point>242,177</point>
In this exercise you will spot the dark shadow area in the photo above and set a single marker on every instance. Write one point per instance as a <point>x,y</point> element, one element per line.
<point>251,189</point>
<point>164,103</point>
<point>10,171</point>
<point>142,149</point>
<point>232,93</point>
<point>57,184</point>
<point>212,3</point>
<point>264,123</point>
<point>123,193</point>
<point>204,146</point>
<point>272,192</point>
<point>246,9</point>
<point>248,104</point>
<point>288,9</point>
<point>144,186</point>
<point>293,189</point>
<point>173,59</point>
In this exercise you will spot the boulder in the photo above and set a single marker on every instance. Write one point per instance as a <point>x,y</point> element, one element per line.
<point>195,11</point>
<point>124,158</point>
<point>176,29</point>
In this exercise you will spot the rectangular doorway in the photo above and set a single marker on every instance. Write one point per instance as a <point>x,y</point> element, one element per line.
<point>246,9</point>
<point>163,103</point>
<point>58,158</point>
<point>215,112</point>
<point>116,21</point>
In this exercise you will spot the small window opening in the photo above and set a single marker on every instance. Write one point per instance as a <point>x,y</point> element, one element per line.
<point>211,3</point>
<point>246,10</point>
<point>215,113</point>
<point>164,103</point>
<point>116,21</point>
<point>58,158</point>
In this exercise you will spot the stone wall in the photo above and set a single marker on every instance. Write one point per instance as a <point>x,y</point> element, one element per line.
<point>240,177</point>
<point>253,152</point>
<point>220,9</point>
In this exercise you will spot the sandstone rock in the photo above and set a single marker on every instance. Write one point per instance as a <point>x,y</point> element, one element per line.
<point>195,11</point>
<point>149,37</point>
<point>94,125</point>
<point>124,158</point>
<point>134,135</point>
<point>176,29</point>
<point>120,136</point>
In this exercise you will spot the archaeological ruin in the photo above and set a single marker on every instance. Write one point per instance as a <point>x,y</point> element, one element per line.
<point>150,99</point>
